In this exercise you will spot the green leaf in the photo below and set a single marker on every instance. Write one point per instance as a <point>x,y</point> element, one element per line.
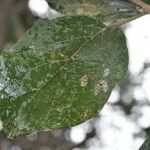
<point>146,145</point>
<point>59,74</point>
<point>119,8</point>
<point>111,11</point>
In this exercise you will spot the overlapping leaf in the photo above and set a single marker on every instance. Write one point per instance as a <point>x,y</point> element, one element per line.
<point>93,7</point>
<point>59,74</point>
<point>146,145</point>
<point>117,8</point>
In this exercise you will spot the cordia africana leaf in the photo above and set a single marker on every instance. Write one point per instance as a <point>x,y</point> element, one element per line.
<point>59,74</point>
<point>145,145</point>
<point>110,11</point>
<point>118,8</point>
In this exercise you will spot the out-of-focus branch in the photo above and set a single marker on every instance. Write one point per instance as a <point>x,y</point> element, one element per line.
<point>145,7</point>
<point>5,12</point>
<point>15,19</point>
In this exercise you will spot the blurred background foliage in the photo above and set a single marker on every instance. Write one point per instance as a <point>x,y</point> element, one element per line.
<point>15,19</point>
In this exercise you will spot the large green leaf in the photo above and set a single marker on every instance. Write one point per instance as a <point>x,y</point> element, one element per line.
<point>111,11</point>
<point>59,74</point>
<point>94,7</point>
<point>146,145</point>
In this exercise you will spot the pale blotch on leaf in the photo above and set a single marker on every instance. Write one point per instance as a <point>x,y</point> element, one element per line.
<point>32,47</point>
<point>84,81</point>
<point>106,72</point>
<point>84,9</point>
<point>102,85</point>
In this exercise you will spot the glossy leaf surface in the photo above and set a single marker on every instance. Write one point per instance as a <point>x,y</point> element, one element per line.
<point>59,74</point>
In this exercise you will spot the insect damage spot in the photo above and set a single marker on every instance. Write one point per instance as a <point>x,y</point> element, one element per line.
<point>106,72</point>
<point>84,81</point>
<point>102,85</point>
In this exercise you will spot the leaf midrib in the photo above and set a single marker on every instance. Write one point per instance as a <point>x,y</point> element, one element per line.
<point>61,67</point>
<point>86,42</point>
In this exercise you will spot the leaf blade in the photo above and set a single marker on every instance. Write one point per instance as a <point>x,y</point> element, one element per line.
<point>60,74</point>
<point>146,144</point>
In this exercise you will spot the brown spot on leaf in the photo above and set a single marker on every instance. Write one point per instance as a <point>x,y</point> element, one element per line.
<point>86,114</point>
